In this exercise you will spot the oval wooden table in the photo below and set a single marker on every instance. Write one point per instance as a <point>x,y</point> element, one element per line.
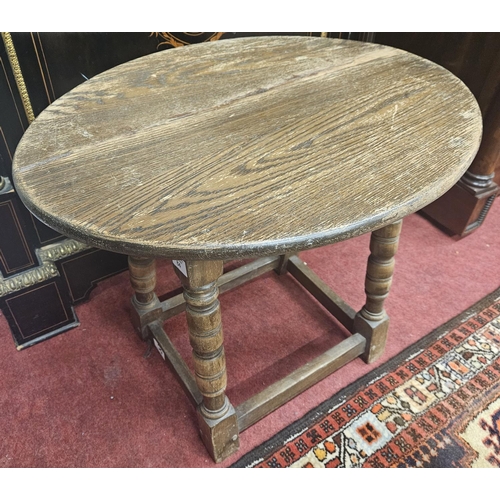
<point>250,147</point>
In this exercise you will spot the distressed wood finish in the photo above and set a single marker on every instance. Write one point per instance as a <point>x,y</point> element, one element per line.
<point>250,146</point>
<point>216,415</point>
<point>372,321</point>
<point>260,146</point>
<point>232,279</point>
<point>284,390</point>
<point>142,273</point>
<point>145,304</point>
<point>170,354</point>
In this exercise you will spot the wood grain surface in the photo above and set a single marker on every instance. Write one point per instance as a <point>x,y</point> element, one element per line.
<point>249,146</point>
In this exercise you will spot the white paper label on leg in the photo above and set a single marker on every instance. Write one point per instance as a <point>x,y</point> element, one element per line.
<point>160,350</point>
<point>181,265</point>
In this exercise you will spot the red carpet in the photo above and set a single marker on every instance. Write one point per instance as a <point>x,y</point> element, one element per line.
<point>88,398</point>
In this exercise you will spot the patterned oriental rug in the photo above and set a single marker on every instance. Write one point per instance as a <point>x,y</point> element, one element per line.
<point>436,404</point>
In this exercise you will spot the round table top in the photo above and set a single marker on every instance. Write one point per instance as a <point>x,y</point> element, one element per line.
<point>245,147</point>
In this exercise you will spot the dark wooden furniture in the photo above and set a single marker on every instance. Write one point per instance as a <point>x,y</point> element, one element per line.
<point>262,147</point>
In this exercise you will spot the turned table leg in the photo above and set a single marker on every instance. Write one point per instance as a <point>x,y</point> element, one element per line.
<point>145,304</point>
<point>372,321</point>
<point>216,416</point>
